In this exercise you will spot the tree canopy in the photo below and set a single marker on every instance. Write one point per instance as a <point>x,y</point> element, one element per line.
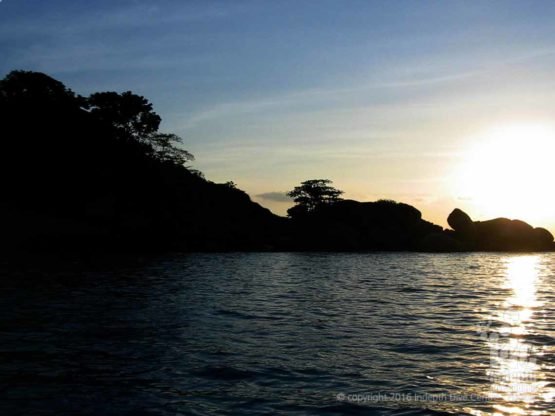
<point>131,114</point>
<point>36,90</point>
<point>134,119</point>
<point>311,194</point>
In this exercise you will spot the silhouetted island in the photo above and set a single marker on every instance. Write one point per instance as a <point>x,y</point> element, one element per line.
<point>95,173</point>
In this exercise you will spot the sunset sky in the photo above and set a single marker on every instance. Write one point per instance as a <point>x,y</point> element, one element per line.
<point>437,104</point>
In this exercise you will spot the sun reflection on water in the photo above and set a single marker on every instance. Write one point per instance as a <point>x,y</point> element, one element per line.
<point>516,377</point>
<point>522,278</point>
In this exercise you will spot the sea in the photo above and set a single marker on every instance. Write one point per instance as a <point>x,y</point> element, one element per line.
<point>278,334</point>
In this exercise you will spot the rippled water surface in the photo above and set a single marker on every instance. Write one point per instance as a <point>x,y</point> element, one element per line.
<point>299,334</point>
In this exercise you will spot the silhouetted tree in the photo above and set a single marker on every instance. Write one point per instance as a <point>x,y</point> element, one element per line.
<point>35,89</point>
<point>44,133</point>
<point>166,150</point>
<point>131,114</point>
<point>311,194</point>
<point>134,119</point>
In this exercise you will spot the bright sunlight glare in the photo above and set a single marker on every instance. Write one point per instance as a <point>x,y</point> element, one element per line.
<point>509,172</point>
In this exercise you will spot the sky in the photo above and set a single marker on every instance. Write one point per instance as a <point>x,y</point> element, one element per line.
<point>389,99</point>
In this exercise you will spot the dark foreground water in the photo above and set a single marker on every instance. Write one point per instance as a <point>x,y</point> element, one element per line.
<point>298,334</point>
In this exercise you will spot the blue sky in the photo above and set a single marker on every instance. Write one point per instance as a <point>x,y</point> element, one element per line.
<point>383,97</point>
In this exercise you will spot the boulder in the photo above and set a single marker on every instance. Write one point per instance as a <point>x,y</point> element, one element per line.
<point>544,238</point>
<point>505,234</point>
<point>460,221</point>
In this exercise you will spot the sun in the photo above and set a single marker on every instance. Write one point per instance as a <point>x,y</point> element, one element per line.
<point>509,172</point>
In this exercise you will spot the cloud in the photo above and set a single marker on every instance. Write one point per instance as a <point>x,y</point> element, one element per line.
<point>275,196</point>
<point>74,21</point>
<point>109,37</point>
<point>310,98</point>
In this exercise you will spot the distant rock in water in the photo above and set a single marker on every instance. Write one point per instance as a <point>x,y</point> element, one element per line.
<point>500,234</point>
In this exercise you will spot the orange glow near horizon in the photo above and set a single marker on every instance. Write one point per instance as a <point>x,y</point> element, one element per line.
<point>509,172</point>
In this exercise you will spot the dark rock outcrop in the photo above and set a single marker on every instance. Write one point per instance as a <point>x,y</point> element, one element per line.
<point>368,226</point>
<point>500,234</point>
<point>543,237</point>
